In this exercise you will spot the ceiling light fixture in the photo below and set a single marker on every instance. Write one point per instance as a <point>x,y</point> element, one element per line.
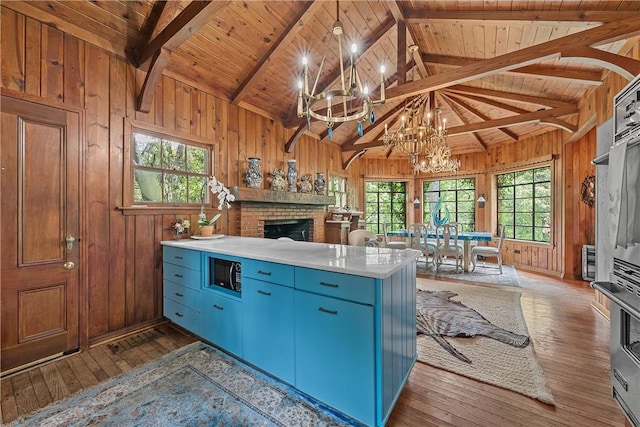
<point>352,95</point>
<point>422,135</point>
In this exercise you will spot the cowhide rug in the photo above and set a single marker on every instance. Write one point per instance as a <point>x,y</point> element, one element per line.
<point>438,316</point>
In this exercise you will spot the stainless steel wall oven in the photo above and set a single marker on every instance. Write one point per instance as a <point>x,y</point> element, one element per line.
<point>619,277</point>
<point>624,293</point>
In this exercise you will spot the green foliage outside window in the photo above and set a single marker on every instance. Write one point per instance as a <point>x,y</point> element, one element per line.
<point>166,171</point>
<point>385,202</point>
<point>458,195</point>
<point>524,204</point>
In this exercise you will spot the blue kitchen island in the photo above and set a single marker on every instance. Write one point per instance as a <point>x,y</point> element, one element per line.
<point>337,322</point>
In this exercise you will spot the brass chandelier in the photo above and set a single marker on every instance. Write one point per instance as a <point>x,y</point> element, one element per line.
<point>352,95</point>
<point>423,137</point>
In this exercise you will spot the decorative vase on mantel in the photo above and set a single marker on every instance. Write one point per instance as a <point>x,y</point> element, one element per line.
<point>277,180</point>
<point>306,184</point>
<point>292,176</point>
<point>253,176</point>
<point>319,184</point>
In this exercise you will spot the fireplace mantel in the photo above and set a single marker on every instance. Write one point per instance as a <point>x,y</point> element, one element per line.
<point>244,194</point>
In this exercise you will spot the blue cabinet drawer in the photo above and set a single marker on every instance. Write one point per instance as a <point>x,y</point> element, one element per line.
<point>181,294</point>
<point>268,271</point>
<point>181,275</point>
<point>222,321</point>
<point>184,257</point>
<point>337,285</point>
<point>182,315</point>
<point>268,327</point>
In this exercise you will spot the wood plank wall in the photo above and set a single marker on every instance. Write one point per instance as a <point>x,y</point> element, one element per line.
<point>122,264</point>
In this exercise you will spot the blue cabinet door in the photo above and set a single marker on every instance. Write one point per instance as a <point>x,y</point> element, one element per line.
<point>268,327</point>
<point>221,321</point>
<point>334,359</point>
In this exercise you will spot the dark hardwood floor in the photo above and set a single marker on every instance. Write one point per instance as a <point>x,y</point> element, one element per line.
<point>570,338</point>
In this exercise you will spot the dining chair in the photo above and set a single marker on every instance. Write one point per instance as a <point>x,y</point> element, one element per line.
<point>447,245</point>
<point>417,239</point>
<point>390,243</point>
<point>364,238</point>
<point>489,251</point>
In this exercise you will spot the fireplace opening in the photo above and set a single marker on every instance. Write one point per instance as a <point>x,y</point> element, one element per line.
<point>296,229</point>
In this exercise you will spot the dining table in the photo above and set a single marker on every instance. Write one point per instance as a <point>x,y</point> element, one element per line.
<point>466,236</point>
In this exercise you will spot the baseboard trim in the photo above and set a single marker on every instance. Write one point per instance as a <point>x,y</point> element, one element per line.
<point>121,333</point>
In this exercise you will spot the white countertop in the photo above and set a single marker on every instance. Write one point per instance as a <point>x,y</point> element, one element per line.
<point>359,260</point>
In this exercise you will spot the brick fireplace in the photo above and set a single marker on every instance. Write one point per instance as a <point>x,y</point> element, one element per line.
<point>257,206</point>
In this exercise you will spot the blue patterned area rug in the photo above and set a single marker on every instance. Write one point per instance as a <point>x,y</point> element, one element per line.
<point>489,273</point>
<point>196,385</point>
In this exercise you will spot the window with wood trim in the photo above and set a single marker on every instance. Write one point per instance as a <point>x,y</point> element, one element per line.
<point>168,170</point>
<point>385,202</point>
<point>524,204</point>
<point>458,196</point>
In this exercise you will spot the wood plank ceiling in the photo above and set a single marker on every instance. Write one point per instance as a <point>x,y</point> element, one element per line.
<point>500,69</point>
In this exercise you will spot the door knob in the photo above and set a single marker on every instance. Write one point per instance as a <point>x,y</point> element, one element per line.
<point>70,240</point>
<point>69,265</point>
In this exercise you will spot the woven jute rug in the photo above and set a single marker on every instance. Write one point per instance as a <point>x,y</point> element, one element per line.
<point>492,361</point>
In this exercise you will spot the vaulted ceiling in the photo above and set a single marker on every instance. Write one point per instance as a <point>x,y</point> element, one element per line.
<point>500,70</point>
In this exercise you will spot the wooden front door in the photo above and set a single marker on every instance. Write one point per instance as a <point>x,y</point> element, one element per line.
<point>39,211</point>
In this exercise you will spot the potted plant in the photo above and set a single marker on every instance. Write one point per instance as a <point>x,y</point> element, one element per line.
<point>180,226</point>
<point>224,201</point>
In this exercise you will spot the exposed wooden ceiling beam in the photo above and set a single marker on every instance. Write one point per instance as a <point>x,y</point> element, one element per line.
<point>292,117</point>
<point>461,104</point>
<point>553,17</point>
<point>289,33</point>
<point>537,70</point>
<point>288,147</point>
<point>351,158</point>
<point>625,66</point>
<point>546,102</point>
<point>170,10</point>
<point>455,108</point>
<point>154,75</point>
<point>189,21</point>
<point>559,123</point>
<point>623,28</point>
<point>397,11</point>
<point>401,52</point>
<point>151,25</point>
<point>534,116</point>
